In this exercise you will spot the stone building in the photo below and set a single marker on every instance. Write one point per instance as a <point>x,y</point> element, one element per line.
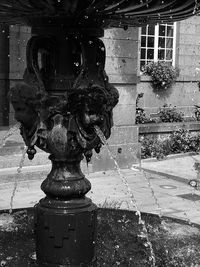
<point>178,43</point>
<point>185,56</point>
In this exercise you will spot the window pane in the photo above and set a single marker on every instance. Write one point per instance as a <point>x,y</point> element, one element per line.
<point>170,31</point>
<point>143,53</point>
<point>144,30</point>
<point>168,54</point>
<point>161,42</point>
<point>161,30</point>
<point>151,30</point>
<point>169,43</point>
<point>150,53</point>
<point>161,54</point>
<point>143,41</point>
<point>150,42</point>
<point>142,63</point>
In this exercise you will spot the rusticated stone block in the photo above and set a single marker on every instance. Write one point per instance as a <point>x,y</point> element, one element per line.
<point>123,135</point>
<point>121,48</point>
<point>122,156</point>
<point>120,66</point>
<point>124,115</point>
<point>130,34</point>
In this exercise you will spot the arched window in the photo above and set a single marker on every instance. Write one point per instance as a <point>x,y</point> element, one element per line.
<point>158,43</point>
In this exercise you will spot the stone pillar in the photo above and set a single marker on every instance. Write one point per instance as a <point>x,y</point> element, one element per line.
<point>19,36</point>
<point>4,74</point>
<point>121,67</point>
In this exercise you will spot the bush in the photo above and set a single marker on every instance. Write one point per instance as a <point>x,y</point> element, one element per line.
<point>163,75</point>
<point>152,148</point>
<point>141,117</point>
<point>180,141</point>
<point>170,114</point>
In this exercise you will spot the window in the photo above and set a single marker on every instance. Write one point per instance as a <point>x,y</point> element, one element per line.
<point>158,43</point>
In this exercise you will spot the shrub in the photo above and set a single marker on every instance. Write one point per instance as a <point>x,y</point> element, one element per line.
<point>170,114</point>
<point>163,75</point>
<point>180,141</point>
<point>142,118</point>
<point>151,148</point>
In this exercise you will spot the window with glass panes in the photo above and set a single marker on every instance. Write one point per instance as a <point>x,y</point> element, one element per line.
<point>158,43</point>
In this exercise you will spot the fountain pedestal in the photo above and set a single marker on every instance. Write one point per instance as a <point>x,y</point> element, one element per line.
<point>64,96</point>
<point>65,232</point>
<point>65,221</point>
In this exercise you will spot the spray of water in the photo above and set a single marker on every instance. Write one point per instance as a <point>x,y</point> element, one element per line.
<point>10,132</point>
<point>144,233</point>
<point>19,169</point>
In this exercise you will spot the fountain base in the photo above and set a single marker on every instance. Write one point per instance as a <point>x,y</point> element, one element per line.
<point>65,232</point>
<point>119,240</point>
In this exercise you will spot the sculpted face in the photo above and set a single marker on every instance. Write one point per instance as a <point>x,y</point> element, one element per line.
<point>22,97</point>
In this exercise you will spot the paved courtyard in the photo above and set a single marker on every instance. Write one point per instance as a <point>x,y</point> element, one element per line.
<point>154,190</point>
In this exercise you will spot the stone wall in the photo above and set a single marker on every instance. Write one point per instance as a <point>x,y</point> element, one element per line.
<point>185,93</point>
<point>163,130</point>
<point>121,67</point>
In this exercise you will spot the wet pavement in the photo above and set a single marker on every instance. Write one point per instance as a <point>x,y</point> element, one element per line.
<point>161,187</point>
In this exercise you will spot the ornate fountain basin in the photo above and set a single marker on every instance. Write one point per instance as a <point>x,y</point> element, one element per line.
<point>101,13</point>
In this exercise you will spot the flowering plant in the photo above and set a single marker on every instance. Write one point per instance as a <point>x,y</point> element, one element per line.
<point>163,75</point>
<point>169,113</point>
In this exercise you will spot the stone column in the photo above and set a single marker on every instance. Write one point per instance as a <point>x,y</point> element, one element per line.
<point>4,74</point>
<point>122,52</point>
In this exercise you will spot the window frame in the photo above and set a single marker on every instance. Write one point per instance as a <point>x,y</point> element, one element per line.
<point>156,45</point>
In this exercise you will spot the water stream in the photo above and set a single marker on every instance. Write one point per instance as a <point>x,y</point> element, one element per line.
<point>19,169</point>
<point>10,132</point>
<point>144,233</point>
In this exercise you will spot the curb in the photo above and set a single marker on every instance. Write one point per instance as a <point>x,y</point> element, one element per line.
<point>172,156</point>
<point>168,176</point>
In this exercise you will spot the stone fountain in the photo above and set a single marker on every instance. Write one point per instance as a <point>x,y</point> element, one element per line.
<point>64,96</point>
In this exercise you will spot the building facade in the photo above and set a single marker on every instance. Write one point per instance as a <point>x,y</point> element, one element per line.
<point>126,52</point>
<point>179,45</point>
